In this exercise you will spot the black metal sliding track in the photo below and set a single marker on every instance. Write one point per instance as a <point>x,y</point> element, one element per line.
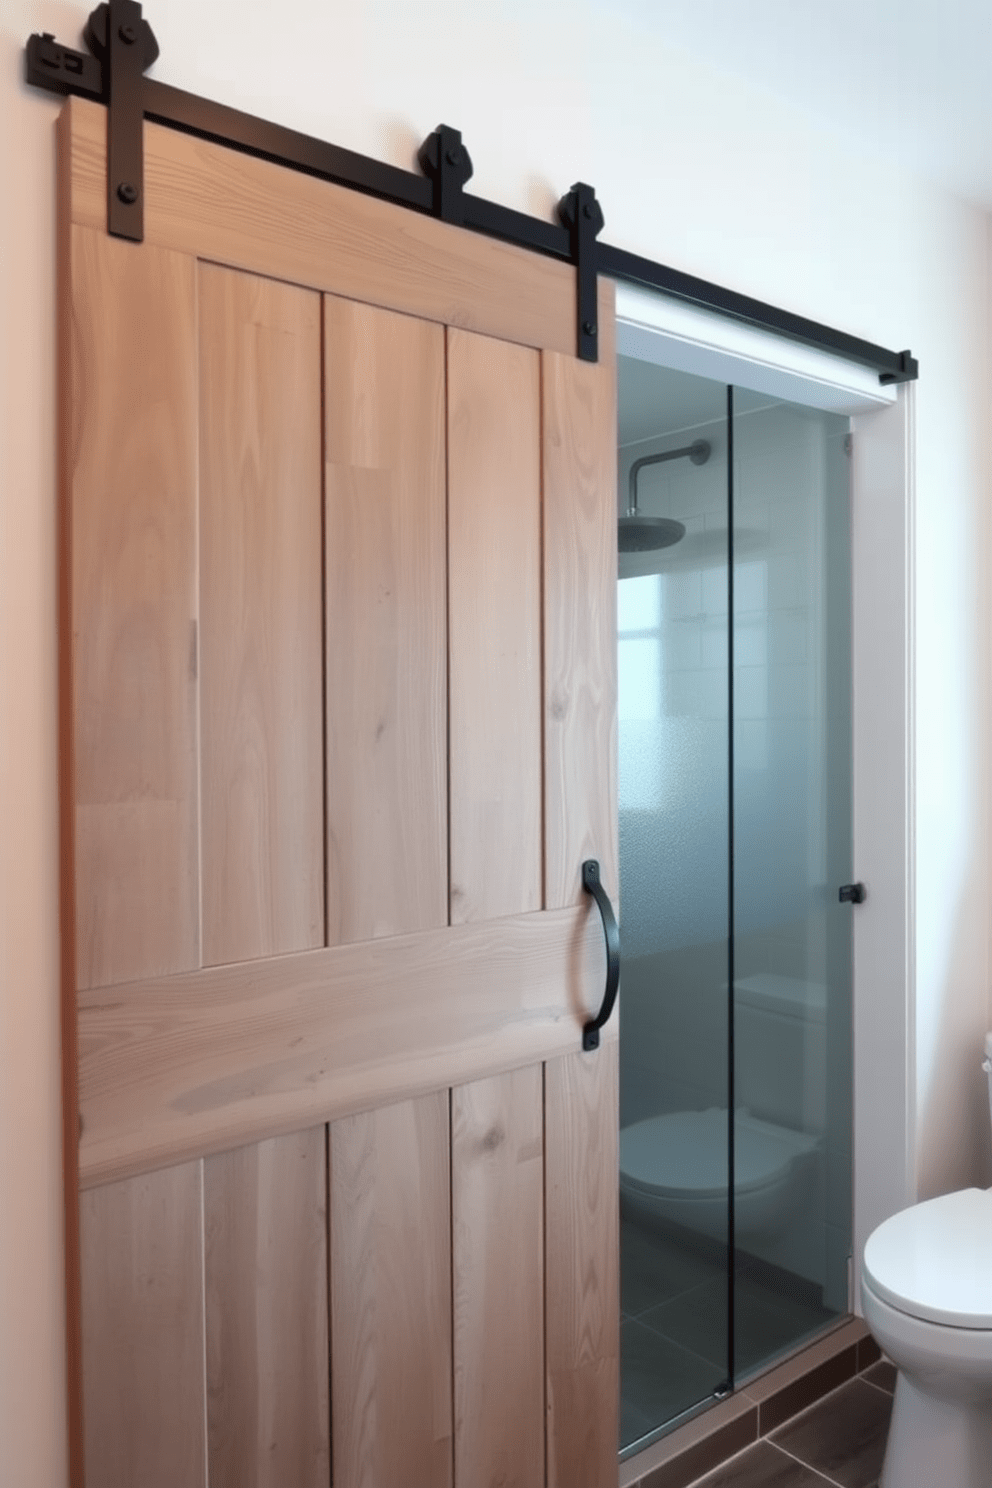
<point>892,366</point>
<point>122,46</point>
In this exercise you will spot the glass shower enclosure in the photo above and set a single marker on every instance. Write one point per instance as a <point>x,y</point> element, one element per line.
<point>734,673</point>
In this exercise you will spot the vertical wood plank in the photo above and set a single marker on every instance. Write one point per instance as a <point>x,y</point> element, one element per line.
<point>143,1369</point>
<point>391,1296</point>
<point>268,1413</point>
<point>387,866</point>
<point>261,652</point>
<point>580,602</point>
<point>134,607</point>
<point>67,816</point>
<point>494,607</point>
<point>581,1106</point>
<point>498,1258</point>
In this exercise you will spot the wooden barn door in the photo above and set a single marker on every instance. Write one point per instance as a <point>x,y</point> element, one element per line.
<point>339,722</point>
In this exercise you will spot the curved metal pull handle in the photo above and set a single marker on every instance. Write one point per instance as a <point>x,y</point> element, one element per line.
<point>592,885</point>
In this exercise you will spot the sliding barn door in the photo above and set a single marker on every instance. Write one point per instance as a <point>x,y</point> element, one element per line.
<point>339,570</point>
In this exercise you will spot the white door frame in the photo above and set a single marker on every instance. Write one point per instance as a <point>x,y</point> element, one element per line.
<point>675,335</point>
<point>883,593</point>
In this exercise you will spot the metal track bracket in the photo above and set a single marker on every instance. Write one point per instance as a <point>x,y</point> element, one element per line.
<point>123,46</point>
<point>909,371</point>
<point>61,70</point>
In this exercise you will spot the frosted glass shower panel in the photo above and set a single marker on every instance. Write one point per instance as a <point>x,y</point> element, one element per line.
<point>792,851</point>
<point>674,710</point>
<point>674,715</point>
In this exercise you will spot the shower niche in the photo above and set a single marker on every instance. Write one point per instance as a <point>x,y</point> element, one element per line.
<point>734,667</point>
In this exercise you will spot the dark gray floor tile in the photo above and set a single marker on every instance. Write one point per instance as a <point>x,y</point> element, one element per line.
<point>788,1397</point>
<point>696,1320</point>
<point>765,1321</point>
<point>843,1435</point>
<point>882,1374</point>
<point>654,1268</point>
<point>659,1380</point>
<point>762,1466</point>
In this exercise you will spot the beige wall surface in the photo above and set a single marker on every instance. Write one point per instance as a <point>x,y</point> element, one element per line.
<point>694,167</point>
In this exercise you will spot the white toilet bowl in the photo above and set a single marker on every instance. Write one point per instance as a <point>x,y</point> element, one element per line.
<point>673,1170</point>
<point>926,1291</point>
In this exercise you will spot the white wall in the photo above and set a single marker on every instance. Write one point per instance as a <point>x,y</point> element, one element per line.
<point>694,168</point>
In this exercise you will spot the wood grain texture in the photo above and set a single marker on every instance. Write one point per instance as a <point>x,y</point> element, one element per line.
<point>67,814</point>
<point>210,201</point>
<point>497,1201</point>
<point>265,1224</point>
<point>261,656</point>
<point>387,840</point>
<point>143,1374</point>
<point>134,607</point>
<point>580,606</point>
<point>178,1062</point>
<point>203,1062</point>
<point>494,624</point>
<point>581,1106</point>
<point>391,1296</point>
<point>67,811</point>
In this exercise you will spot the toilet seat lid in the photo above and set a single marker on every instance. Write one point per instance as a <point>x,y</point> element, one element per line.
<point>685,1153</point>
<point>934,1261</point>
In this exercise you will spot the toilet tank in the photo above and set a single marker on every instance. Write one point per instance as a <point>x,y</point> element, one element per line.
<point>780,1050</point>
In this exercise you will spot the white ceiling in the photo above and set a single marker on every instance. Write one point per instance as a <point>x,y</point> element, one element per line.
<point>908,79</point>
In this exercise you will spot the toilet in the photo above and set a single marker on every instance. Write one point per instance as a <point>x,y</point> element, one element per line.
<point>926,1293</point>
<point>673,1170</point>
<point>673,1166</point>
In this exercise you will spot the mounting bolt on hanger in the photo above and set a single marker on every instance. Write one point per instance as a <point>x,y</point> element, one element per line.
<point>447,164</point>
<point>581,213</point>
<point>125,44</point>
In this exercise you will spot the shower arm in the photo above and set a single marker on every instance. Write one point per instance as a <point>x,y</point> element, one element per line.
<point>698,453</point>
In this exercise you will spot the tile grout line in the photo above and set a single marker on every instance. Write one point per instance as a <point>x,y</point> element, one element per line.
<point>718,1467</point>
<point>667,1337</point>
<point>790,1420</point>
<point>642,1478</point>
<point>880,1388</point>
<point>670,1301</point>
<point>807,1465</point>
<point>742,1392</point>
<point>722,1466</point>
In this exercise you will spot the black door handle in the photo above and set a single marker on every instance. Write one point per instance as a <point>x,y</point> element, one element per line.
<point>593,885</point>
<point>855,893</point>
